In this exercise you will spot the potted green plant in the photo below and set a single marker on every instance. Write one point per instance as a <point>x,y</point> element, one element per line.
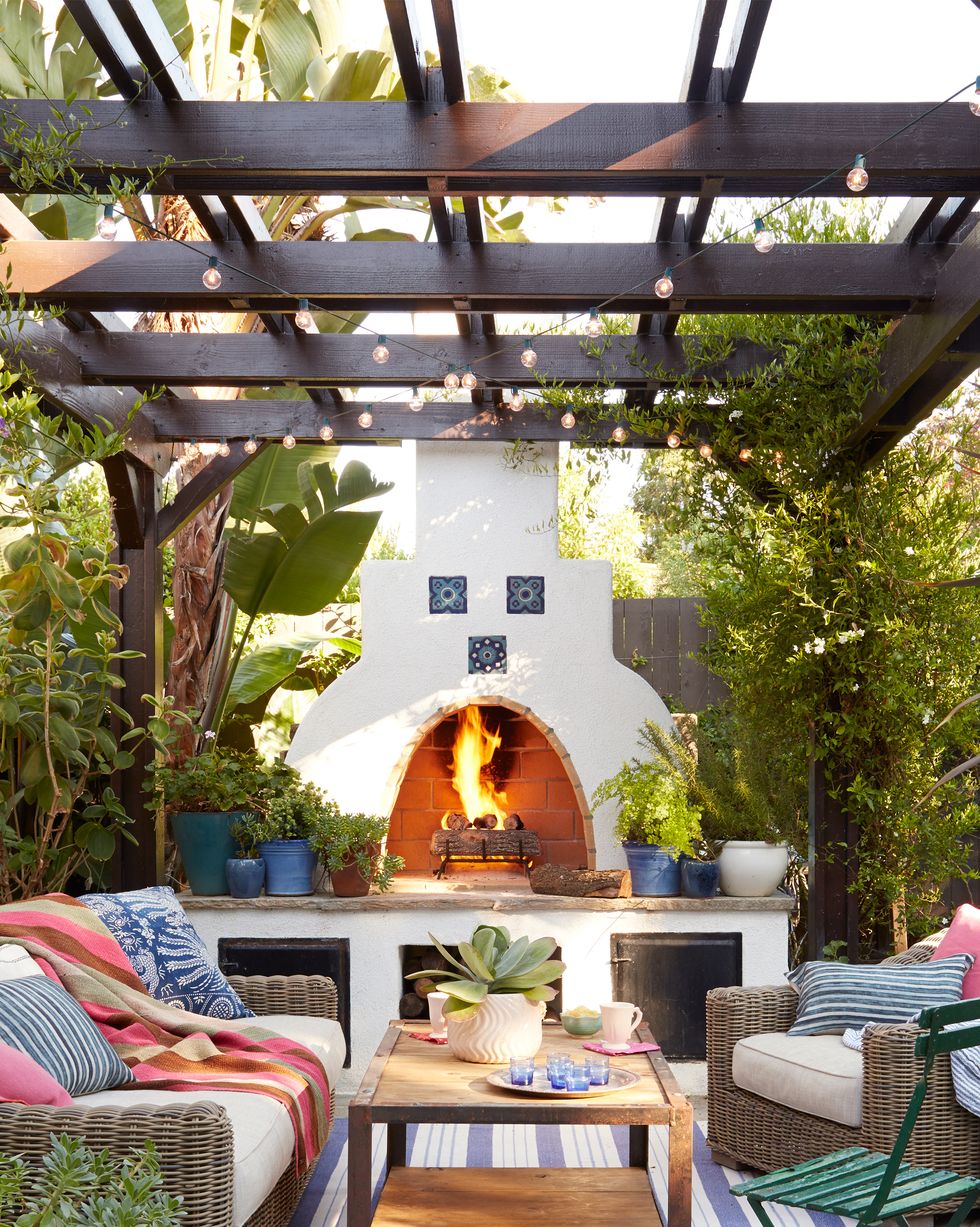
<point>656,824</point>
<point>496,993</point>
<point>290,811</point>
<point>246,870</point>
<point>205,795</point>
<point>349,845</point>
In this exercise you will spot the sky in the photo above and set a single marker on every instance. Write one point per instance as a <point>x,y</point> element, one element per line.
<point>635,51</point>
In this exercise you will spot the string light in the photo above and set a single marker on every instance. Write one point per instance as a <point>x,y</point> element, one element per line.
<point>706,451</point>
<point>289,441</point>
<point>451,380</point>
<point>857,176</point>
<point>416,403</point>
<point>528,357</point>
<point>568,419</point>
<point>745,454</point>
<point>304,319</point>
<point>619,434</point>
<point>593,325</point>
<point>366,419</point>
<point>223,448</point>
<point>381,353</point>
<point>469,380</point>
<point>191,450</point>
<point>975,100</point>
<point>212,274</point>
<point>663,287</point>
<point>673,439</point>
<point>326,431</point>
<point>764,240</point>
<point>517,401</point>
<point>107,224</point>
<point>250,446</point>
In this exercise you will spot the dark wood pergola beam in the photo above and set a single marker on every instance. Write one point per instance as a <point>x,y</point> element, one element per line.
<point>220,472</point>
<point>239,361</point>
<point>512,148</point>
<point>524,277</point>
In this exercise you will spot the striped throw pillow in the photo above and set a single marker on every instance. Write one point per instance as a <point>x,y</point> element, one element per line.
<point>837,996</point>
<point>42,1020</point>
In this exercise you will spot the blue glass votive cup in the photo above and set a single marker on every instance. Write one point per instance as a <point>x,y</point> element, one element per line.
<point>577,1077</point>
<point>598,1065</point>
<point>521,1071</point>
<point>558,1064</point>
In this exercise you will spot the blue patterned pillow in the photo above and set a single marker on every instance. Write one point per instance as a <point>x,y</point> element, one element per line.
<point>44,1021</point>
<point>167,952</point>
<point>835,997</point>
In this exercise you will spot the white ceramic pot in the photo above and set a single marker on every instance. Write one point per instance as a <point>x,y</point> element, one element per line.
<point>751,868</point>
<point>506,1025</point>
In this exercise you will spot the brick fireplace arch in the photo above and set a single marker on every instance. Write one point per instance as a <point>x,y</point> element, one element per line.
<point>535,769</point>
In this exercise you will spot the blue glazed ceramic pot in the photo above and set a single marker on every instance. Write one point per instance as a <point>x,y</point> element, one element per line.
<point>205,845</point>
<point>245,877</point>
<point>289,865</point>
<point>654,870</point>
<point>699,879</point>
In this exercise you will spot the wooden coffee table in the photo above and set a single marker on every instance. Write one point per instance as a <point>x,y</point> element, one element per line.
<point>412,1081</point>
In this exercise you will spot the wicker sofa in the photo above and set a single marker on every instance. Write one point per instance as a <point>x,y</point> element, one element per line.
<point>745,1129</point>
<point>203,1157</point>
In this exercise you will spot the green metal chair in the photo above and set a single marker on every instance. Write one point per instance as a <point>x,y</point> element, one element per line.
<point>870,1187</point>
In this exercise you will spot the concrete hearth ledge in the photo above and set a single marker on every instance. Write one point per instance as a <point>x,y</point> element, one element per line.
<point>494,901</point>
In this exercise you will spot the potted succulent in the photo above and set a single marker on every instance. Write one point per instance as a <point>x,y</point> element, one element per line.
<point>496,993</point>
<point>205,795</point>
<point>290,810</point>
<point>656,823</point>
<point>349,845</point>
<point>246,871</point>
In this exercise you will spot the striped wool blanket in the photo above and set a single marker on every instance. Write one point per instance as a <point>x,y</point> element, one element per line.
<point>167,1049</point>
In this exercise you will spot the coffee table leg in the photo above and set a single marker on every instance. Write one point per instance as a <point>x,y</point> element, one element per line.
<point>396,1144</point>
<point>639,1146</point>
<point>358,1167</point>
<point>680,1142</point>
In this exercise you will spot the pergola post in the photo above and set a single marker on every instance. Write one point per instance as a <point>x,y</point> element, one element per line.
<point>832,909</point>
<point>139,605</point>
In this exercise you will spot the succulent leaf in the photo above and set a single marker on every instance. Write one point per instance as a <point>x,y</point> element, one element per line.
<point>547,972</point>
<point>543,992</point>
<point>508,962</point>
<point>448,957</point>
<point>474,961</point>
<point>466,990</point>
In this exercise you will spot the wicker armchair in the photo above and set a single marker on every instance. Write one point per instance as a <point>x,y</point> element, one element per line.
<point>747,1130</point>
<point>194,1143</point>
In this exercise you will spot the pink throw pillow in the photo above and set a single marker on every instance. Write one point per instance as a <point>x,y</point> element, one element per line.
<point>963,937</point>
<point>22,1080</point>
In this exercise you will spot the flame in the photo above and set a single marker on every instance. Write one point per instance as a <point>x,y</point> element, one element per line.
<point>473,749</point>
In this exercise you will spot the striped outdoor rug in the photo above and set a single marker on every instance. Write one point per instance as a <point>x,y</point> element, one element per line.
<point>324,1202</point>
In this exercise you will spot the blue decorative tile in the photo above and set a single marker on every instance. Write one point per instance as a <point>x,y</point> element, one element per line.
<point>488,654</point>
<point>525,594</point>
<point>447,594</point>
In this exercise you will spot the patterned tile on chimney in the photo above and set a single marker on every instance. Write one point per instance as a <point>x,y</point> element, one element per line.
<point>447,594</point>
<point>525,594</point>
<point>487,654</point>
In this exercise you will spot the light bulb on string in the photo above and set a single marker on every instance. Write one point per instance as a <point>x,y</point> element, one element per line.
<point>745,454</point>
<point>663,287</point>
<point>778,459</point>
<point>619,434</point>
<point>289,441</point>
<point>366,419</point>
<point>706,451</point>
<point>191,450</point>
<point>326,431</point>
<point>673,439</point>
<point>593,325</point>
<point>568,419</point>
<point>211,276</point>
<point>469,380</point>
<point>223,448</point>
<point>107,224</point>
<point>416,403</point>
<point>764,240</point>
<point>528,357</point>
<point>857,176</point>
<point>517,401</point>
<point>303,317</point>
<point>381,353</point>
<point>451,380</point>
<point>975,100</point>
<point>250,446</point>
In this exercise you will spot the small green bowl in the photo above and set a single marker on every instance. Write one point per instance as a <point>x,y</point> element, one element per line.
<point>581,1024</point>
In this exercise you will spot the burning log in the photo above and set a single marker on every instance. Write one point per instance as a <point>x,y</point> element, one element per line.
<point>455,822</point>
<point>486,822</point>
<point>513,823</point>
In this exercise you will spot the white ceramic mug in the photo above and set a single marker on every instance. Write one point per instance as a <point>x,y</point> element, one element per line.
<point>619,1021</point>
<point>436,1018</point>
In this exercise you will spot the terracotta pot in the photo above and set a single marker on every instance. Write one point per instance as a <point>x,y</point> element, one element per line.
<point>348,881</point>
<point>505,1025</point>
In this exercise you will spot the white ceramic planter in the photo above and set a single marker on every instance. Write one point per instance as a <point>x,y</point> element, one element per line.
<point>506,1025</point>
<point>751,868</point>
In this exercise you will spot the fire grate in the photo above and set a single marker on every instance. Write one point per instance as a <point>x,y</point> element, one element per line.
<point>518,847</point>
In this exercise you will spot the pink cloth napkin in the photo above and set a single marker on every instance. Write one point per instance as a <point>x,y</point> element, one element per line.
<point>429,1039</point>
<point>621,1050</point>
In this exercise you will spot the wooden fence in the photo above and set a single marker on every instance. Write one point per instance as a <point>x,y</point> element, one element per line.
<point>657,639</point>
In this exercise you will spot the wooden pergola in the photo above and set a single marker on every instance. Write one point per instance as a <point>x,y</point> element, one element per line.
<point>440,146</point>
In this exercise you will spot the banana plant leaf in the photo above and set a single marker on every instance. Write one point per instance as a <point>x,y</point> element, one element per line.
<point>264,670</point>
<point>272,478</point>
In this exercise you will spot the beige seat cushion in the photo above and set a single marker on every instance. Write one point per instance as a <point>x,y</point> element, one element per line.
<point>810,1073</point>
<point>262,1129</point>
<point>323,1036</point>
